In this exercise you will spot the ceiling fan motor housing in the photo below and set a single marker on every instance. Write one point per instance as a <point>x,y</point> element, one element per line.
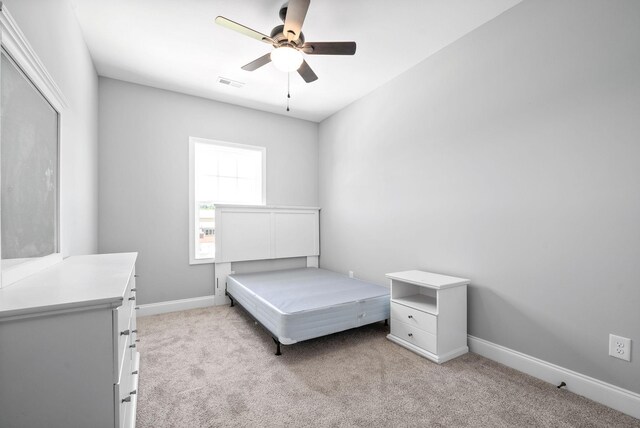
<point>277,34</point>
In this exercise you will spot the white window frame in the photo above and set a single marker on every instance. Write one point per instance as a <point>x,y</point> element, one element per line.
<point>192,188</point>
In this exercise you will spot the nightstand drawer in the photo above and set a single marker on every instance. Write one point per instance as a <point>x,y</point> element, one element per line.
<point>415,336</point>
<point>414,317</point>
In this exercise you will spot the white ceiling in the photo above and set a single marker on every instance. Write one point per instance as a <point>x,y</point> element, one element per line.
<point>175,45</point>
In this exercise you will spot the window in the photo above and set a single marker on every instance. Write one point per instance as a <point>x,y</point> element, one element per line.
<point>220,173</point>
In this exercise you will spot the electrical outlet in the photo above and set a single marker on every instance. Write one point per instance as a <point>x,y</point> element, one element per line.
<point>350,274</point>
<point>620,347</point>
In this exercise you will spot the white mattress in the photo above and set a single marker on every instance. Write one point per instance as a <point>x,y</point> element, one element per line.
<point>300,304</point>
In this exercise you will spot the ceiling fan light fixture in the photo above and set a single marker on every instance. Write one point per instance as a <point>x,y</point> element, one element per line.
<point>286,58</point>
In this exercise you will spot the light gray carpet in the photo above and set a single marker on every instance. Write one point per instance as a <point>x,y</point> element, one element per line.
<point>214,367</point>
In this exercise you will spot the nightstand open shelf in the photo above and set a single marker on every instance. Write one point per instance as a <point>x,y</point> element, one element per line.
<point>429,314</point>
<point>419,301</point>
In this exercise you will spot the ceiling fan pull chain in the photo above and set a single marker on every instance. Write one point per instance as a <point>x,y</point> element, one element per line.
<point>288,89</point>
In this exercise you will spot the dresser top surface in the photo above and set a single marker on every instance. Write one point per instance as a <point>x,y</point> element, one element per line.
<point>77,281</point>
<point>428,279</point>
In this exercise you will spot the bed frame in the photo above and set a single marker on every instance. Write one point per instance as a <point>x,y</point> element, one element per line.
<point>252,233</point>
<point>273,335</point>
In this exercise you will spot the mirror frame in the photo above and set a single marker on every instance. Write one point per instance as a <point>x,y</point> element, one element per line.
<point>14,43</point>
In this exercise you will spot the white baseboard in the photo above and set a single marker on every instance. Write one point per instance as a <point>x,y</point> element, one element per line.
<point>610,395</point>
<point>175,305</point>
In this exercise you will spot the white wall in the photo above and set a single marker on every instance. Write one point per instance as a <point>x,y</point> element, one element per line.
<point>53,32</point>
<point>144,176</point>
<point>511,157</point>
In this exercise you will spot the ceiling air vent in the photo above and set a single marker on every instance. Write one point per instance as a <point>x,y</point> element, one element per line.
<point>229,82</point>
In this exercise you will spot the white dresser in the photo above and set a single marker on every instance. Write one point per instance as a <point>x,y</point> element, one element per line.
<point>68,355</point>
<point>429,314</point>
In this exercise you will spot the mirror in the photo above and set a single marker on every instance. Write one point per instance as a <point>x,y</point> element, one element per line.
<point>29,131</point>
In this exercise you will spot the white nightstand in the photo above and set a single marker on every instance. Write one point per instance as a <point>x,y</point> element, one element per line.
<point>429,314</point>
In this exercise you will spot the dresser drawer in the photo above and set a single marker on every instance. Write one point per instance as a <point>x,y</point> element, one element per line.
<point>124,394</point>
<point>130,417</point>
<point>121,334</point>
<point>414,335</point>
<point>414,317</point>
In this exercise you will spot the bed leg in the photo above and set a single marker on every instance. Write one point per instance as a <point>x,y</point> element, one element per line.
<point>278,346</point>
<point>230,298</point>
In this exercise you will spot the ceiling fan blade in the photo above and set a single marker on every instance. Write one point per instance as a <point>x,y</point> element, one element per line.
<point>329,48</point>
<point>254,65</point>
<point>296,11</point>
<point>232,25</point>
<point>307,73</point>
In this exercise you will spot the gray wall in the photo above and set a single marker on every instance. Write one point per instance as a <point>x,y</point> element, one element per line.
<point>144,178</point>
<point>511,157</point>
<point>53,31</point>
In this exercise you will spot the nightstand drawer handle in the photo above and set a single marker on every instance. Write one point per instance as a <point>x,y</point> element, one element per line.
<point>124,333</point>
<point>410,316</point>
<point>410,334</point>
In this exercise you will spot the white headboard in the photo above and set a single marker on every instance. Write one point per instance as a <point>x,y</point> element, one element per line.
<point>265,232</point>
<point>246,233</point>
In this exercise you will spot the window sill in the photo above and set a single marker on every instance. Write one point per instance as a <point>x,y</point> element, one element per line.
<point>201,261</point>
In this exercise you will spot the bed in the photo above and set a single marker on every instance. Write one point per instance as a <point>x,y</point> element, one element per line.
<point>291,304</point>
<point>299,304</point>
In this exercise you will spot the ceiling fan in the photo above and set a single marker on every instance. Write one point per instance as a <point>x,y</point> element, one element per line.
<point>288,42</point>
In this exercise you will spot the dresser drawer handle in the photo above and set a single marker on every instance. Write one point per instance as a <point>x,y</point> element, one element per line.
<point>134,392</point>
<point>133,289</point>
<point>127,399</point>
<point>134,331</point>
<point>132,346</point>
<point>125,333</point>
<point>409,316</point>
<point>135,275</point>
<point>132,298</point>
<point>410,334</point>
<point>134,372</point>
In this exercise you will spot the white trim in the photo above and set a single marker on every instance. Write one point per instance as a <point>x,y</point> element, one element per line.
<point>269,207</point>
<point>192,202</point>
<point>221,300</point>
<point>175,305</point>
<point>16,44</point>
<point>192,222</point>
<point>612,396</point>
